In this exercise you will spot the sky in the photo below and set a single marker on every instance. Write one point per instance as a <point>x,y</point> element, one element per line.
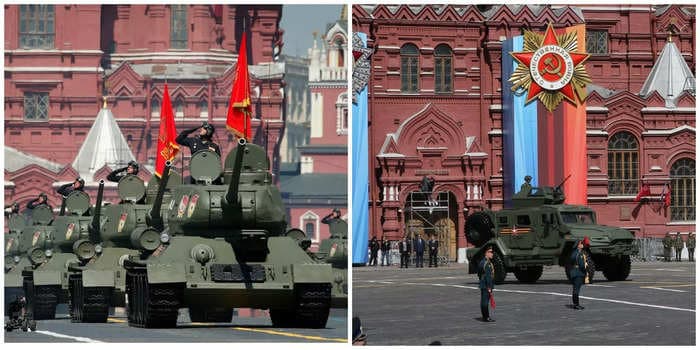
<point>300,21</point>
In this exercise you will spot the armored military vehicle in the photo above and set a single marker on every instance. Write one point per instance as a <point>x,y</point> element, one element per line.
<point>33,235</point>
<point>226,247</point>
<point>334,251</point>
<point>46,280</point>
<point>540,230</point>
<point>97,281</point>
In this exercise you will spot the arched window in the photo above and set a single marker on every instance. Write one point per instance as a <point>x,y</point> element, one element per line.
<point>310,230</point>
<point>340,46</point>
<point>203,109</point>
<point>683,190</point>
<point>409,68</point>
<point>623,164</point>
<point>309,221</point>
<point>178,26</point>
<point>443,68</point>
<point>179,108</point>
<point>155,107</point>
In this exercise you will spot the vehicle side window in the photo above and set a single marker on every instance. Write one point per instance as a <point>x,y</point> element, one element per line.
<point>546,219</point>
<point>523,220</point>
<point>503,220</point>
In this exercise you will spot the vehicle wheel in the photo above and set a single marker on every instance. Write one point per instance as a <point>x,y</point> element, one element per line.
<point>528,275</point>
<point>499,267</point>
<point>152,305</point>
<point>618,269</point>
<point>211,314</point>
<point>313,305</point>
<point>478,229</point>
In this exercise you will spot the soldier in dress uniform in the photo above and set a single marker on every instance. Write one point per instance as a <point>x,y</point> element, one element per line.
<point>77,185</point>
<point>405,250</point>
<point>432,251</point>
<point>42,198</point>
<point>691,246</point>
<point>668,244</point>
<point>579,270</point>
<point>131,169</point>
<point>678,244</point>
<point>203,140</point>
<point>486,283</point>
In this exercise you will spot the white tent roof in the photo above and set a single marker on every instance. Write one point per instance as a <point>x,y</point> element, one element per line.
<point>104,144</point>
<point>670,76</point>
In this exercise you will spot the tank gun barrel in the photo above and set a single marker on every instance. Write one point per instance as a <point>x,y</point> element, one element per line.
<point>232,194</point>
<point>95,225</point>
<point>154,218</point>
<point>563,182</point>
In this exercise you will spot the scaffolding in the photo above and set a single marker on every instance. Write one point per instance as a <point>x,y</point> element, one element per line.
<point>420,211</point>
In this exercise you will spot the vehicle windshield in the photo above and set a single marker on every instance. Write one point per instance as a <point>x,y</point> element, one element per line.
<point>580,217</point>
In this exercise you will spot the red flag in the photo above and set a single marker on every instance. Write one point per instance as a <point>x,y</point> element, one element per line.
<point>492,300</point>
<point>645,191</point>
<point>666,195</point>
<point>167,147</point>
<point>240,109</point>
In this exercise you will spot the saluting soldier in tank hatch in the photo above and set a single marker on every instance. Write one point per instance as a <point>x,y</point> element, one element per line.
<point>76,185</point>
<point>12,209</point>
<point>526,187</point>
<point>132,168</point>
<point>42,198</point>
<point>201,141</point>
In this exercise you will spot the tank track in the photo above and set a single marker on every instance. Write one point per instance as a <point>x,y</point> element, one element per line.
<point>88,305</point>
<point>313,303</point>
<point>41,300</point>
<point>152,305</point>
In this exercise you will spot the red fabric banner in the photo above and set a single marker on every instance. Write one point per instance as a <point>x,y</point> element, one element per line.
<point>240,109</point>
<point>645,191</point>
<point>167,147</point>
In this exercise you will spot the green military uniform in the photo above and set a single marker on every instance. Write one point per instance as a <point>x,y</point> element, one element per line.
<point>668,244</point>
<point>679,246</point>
<point>691,247</point>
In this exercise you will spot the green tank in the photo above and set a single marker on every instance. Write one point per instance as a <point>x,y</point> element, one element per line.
<point>334,251</point>
<point>541,230</point>
<point>225,247</point>
<point>33,233</point>
<point>45,281</point>
<point>97,282</point>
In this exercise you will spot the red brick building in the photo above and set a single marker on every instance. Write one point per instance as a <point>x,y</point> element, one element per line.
<point>60,60</point>
<point>435,109</point>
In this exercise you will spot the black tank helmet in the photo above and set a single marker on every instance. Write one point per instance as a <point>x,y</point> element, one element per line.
<point>135,166</point>
<point>44,196</point>
<point>209,128</point>
<point>82,183</point>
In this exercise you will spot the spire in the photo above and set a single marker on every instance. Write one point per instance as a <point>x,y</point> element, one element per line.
<point>344,13</point>
<point>670,76</point>
<point>104,145</point>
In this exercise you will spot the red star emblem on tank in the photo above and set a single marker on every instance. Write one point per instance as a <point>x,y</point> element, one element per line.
<point>550,68</point>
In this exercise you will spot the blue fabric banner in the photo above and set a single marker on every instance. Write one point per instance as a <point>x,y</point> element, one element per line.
<point>520,154</point>
<point>360,176</point>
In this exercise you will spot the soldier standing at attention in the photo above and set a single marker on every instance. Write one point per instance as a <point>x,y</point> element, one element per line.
<point>201,141</point>
<point>419,248</point>
<point>386,248</point>
<point>579,270</point>
<point>668,244</point>
<point>691,246</point>
<point>131,169</point>
<point>373,249</point>
<point>486,283</point>
<point>679,246</point>
<point>405,250</point>
<point>432,251</point>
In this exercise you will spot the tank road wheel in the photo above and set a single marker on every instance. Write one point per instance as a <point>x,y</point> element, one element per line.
<point>152,305</point>
<point>45,301</point>
<point>311,310</point>
<point>211,314</point>
<point>528,275</point>
<point>479,229</point>
<point>499,268</point>
<point>618,269</point>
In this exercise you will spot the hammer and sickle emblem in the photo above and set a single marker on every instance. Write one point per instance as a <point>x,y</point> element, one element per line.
<point>551,68</point>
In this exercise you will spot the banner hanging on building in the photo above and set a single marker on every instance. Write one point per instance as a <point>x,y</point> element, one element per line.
<point>359,218</point>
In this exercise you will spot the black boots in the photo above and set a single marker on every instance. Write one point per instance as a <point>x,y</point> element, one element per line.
<point>576,304</point>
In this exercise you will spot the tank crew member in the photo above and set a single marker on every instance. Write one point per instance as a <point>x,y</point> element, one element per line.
<point>419,248</point>
<point>203,140</point>
<point>678,244</point>
<point>432,251</point>
<point>691,246</point>
<point>76,185</point>
<point>334,222</point>
<point>579,270</point>
<point>132,168</point>
<point>386,251</point>
<point>373,249</point>
<point>668,244</point>
<point>526,187</point>
<point>405,251</point>
<point>39,200</point>
<point>486,283</point>
<point>12,209</point>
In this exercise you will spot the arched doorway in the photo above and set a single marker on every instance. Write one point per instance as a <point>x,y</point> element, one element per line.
<point>440,220</point>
